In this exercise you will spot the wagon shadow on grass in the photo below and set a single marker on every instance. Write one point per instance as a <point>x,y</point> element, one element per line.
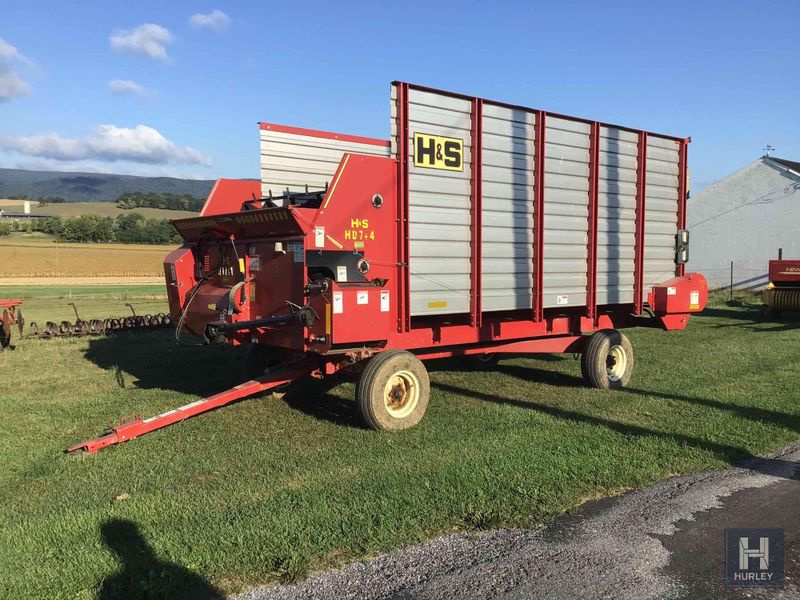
<point>733,455</point>
<point>152,360</point>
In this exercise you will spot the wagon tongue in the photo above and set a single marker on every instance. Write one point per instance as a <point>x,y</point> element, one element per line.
<point>265,222</point>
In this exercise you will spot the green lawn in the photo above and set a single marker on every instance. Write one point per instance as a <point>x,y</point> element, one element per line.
<point>270,488</point>
<point>51,303</point>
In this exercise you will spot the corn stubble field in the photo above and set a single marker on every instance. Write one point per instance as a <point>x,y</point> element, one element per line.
<point>33,256</point>
<point>271,488</point>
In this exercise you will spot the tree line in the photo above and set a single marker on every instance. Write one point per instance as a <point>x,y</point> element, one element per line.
<point>164,201</point>
<point>126,229</point>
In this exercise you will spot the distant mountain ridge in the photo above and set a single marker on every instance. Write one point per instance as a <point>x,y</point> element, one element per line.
<point>93,187</point>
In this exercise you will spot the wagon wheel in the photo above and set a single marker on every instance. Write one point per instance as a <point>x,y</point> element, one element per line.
<point>393,391</point>
<point>5,333</point>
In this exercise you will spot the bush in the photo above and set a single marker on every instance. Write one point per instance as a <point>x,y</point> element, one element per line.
<point>164,201</point>
<point>5,229</point>
<point>126,229</point>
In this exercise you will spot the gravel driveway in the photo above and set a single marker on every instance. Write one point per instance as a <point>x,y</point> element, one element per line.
<point>664,541</point>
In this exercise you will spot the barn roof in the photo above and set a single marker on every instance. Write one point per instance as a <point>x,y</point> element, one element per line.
<point>789,164</point>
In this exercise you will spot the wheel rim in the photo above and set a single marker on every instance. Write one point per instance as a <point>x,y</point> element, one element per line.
<point>401,394</point>
<point>616,362</point>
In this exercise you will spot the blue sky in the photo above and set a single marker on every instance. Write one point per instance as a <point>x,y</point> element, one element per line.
<point>723,72</point>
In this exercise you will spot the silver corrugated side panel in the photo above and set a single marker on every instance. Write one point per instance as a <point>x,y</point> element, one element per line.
<point>661,211</point>
<point>509,138</point>
<point>439,208</point>
<point>296,160</point>
<point>566,212</point>
<point>616,215</point>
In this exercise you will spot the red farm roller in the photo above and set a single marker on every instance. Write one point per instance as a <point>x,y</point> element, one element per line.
<point>481,228</point>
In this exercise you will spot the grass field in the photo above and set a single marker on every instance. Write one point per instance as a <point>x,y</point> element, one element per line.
<point>104,209</point>
<point>50,303</point>
<point>270,488</point>
<point>38,255</point>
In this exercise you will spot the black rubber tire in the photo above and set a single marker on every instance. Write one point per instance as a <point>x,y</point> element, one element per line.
<point>595,357</point>
<point>372,384</point>
<point>259,359</point>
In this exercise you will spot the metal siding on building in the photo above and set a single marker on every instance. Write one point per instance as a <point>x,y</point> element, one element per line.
<point>661,211</point>
<point>507,208</point>
<point>439,202</point>
<point>566,212</point>
<point>296,160</point>
<point>616,215</point>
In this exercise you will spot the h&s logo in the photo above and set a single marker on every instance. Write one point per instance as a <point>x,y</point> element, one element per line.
<point>436,152</point>
<point>754,557</point>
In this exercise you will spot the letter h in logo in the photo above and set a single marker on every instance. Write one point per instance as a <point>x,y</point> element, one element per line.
<point>746,553</point>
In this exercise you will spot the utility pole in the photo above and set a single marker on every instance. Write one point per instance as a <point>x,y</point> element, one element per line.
<point>767,150</point>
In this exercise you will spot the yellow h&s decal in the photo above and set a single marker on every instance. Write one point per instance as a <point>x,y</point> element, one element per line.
<point>436,152</point>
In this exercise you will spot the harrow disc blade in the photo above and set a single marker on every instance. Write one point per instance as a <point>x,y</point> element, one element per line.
<point>33,329</point>
<point>20,321</point>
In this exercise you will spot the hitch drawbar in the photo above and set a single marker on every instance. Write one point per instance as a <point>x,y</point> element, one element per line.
<point>136,426</point>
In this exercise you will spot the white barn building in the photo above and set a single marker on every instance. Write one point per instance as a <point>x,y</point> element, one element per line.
<point>745,218</point>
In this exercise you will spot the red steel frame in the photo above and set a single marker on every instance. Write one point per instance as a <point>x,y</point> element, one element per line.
<point>403,280</point>
<point>682,192</point>
<point>538,216</point>
<point>591,271</point>
<point>477,212</point>
<point>641,195</point>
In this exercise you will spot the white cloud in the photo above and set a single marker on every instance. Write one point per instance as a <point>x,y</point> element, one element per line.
<point>216,21</point>
<point>126,87</point>
<point>12,85</point>
<point>148,39</point>
<point>109,143</point>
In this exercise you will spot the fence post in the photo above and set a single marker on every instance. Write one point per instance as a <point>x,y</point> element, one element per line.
<point>731,280</point>
<point>780,253</point>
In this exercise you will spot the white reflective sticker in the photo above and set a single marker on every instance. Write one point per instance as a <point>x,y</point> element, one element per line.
<point>296,248</point>
<point>338,303</point>
<point>384,300</point>
<point>319,236</point>
<point>362,297</point>
<point>562,299</point>
<point>341,273</point>
<point>671,291</point>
